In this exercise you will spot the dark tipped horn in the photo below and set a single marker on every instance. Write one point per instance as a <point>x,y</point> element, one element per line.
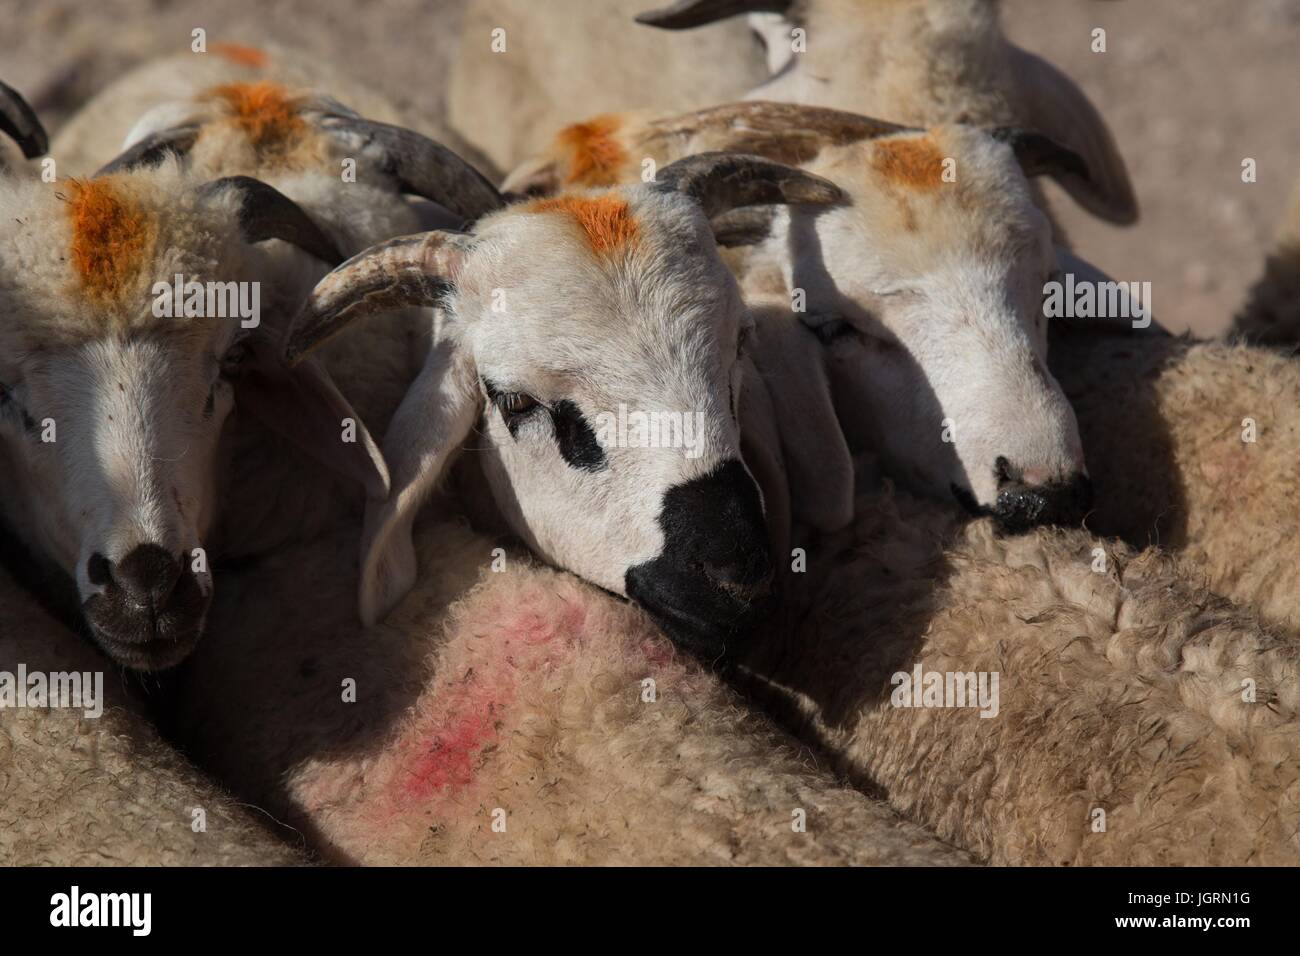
<point>18,121</point>
<point>723,181</point>
<point>153,149</point>
<point>1041,155</point>
<point>421,165</point>
<point>696,13</point>
<point>418,270</point>
<point>266,213</point>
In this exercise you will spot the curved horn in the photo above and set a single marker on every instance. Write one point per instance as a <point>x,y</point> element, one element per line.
<point>723,181</point>
<point>422,166</point>
<point>1041,155</point>
<point>151,150</point>
<point>267,213</point>
<point>418,270</point>
<point>695,13</point>
<point>19,122</point>
<point>787,132</point>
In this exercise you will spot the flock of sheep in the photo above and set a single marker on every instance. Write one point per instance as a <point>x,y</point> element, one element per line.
<point>556,648</point>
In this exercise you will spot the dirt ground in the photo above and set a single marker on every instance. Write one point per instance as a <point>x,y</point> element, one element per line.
<point>1189,87</point>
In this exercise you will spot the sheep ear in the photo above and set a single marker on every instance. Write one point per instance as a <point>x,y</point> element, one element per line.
<point>428,428</point>
<point>818,464</point>
<point>1052,104</point>
<point>304,406</point>
<point>760,446</point>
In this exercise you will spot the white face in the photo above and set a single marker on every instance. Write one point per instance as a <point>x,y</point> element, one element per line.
<point>566,364</point>
<point>939,289</point>
<point>111,448</point>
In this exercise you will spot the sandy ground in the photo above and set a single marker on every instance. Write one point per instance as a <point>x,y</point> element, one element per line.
<point>1190,88</point>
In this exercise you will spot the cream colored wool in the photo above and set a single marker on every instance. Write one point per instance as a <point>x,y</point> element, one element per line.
<point>78,791</point>
<point>1163,423</point>
<point>517,696</point>
<point>1120,691</point>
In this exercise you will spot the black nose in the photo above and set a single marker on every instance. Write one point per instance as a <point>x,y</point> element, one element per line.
<point>1063,502</point>
<point>715,570</point>
<point>147,575</point>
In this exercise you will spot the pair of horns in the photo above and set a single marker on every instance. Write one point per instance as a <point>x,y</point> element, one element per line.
<point>421,270</point>
<point>421,166</point>
<point>18,121</point>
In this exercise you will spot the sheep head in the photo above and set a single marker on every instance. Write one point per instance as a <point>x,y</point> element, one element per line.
<point>115,386</point>
<point>569,326</point>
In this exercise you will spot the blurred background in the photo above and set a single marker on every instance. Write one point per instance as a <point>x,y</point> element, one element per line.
<point>1188,88</point>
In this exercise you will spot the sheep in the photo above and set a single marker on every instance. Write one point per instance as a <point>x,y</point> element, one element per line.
<point>110,120</point>
<point>94,785</point>
<point>561,62</point>
<point>924,62</point>
<point>1271,315</point>
<point>516,716</point>
<point>1137,719</point>
<point>146,219</point>
<point>960,407</point>
<point>563,318</point>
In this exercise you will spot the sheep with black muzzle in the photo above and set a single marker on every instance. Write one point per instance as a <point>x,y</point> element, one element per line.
<point>560,315</point>
<point>937,280</point>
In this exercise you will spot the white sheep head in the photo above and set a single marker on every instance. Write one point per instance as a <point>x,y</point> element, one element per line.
<point>557,313</point>
<point>111,414</point>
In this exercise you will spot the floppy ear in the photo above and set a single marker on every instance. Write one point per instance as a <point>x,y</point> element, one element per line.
<point>303,404</point>
<point>428,428</point>
<point>760,446</point>
<point>1052,104</point>
<point>818,464</point>
<point>1085,272</point>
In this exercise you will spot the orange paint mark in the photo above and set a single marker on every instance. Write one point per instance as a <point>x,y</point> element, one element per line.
<point>265,111</point>
<point>243,55</point>
<point>112,238</point>
<point>593,155</point>
<point>914,163</point>
<point>606,220</point>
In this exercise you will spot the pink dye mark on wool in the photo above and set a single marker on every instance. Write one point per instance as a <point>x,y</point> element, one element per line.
<point>466,718</point>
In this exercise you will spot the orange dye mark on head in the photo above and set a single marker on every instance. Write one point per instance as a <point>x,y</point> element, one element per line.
<point>111,237</point>
<point>265,111</point>
<point>606,220</point>
<point>915,163</point>
<point>243,55</point>
<point>594,156</point>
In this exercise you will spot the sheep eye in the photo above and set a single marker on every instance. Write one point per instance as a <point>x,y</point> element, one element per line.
<point>514,404</point>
